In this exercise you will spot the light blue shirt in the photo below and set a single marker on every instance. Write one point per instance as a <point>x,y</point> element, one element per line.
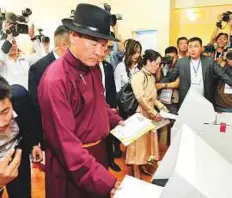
<point>9,138</point>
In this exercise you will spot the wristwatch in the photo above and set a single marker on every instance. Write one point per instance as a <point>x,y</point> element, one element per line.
<point>166,85</point>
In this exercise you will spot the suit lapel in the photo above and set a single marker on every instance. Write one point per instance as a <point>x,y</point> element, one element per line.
<point>187,70</point>
<point>204,67</point>
<point>51,56</point>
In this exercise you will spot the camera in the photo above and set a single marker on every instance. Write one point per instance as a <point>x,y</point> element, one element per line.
<point>224,17</point>
<point>167,60</point>
<point>18,22</point>
<point>41,37</point>
<point>114,17</point>
<point>209,49</point>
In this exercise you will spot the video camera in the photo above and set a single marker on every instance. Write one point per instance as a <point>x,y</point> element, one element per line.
<point>41,37</point>
<point>224,17</point>
<point>18,22</point>
<point>114,17</point>
<point>167,60</point>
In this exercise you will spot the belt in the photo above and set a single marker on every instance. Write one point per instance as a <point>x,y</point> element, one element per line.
<point>91,144</point>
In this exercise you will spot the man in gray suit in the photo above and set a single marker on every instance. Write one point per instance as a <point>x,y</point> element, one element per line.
<point>197,72</point>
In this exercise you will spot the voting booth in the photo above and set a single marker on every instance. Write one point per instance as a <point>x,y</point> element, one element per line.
<point>194,169</point>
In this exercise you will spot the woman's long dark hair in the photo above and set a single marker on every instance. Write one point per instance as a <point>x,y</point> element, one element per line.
<point>150,55</point>
<point>131,47</point>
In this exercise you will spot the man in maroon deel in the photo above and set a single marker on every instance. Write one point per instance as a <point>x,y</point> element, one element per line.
<point>76,118</point>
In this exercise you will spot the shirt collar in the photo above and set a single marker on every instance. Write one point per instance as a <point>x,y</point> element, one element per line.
<point>75,62</point>
<point>146,71</point>
<point>14,114</point>
<point>55,54</point>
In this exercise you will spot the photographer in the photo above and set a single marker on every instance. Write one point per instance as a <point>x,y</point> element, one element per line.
<point>14,65</point>
<point>223,94</point>
<point>222,40</point>
<point>168,92</point>
<point>17,131</point>
<point>41,43</point>
<point>117,50</point>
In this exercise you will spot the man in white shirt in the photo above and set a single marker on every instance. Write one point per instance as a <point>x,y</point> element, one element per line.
<point>14,65</point>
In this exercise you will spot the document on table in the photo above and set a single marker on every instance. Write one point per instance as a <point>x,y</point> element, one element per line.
<point>132,187</point>
<point>136,126</point>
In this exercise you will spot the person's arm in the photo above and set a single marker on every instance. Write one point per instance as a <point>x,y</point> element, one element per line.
<point>114,118</point>
<point>37,46</point>
<point>9,167</point>
<point>121,47</point>
<point>214,35</point>
<point>230,32</point>
<point>58,119</point>
<point>172,85</point>
<point>172,75</point>
<point>137,83</point>
<point>220,73</point>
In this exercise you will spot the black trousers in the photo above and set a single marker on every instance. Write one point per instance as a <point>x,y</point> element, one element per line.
<point>112,145</point>
<point>21,186</point>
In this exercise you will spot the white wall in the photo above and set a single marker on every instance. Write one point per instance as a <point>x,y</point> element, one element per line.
<point>198,3</point>
<point>137,14</point>
<point>145,14</point>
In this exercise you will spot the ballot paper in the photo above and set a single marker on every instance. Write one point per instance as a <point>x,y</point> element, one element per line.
<point>167,115</point>
<point>132,187</point>
<point>136,126</point>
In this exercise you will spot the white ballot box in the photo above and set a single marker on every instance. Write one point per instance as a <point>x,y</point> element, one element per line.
<point>195,111</point>
<point>215,128</point>
<point>194,168</point>
<point>135,188</point>
<point>136,126</point>
<point>219,135</point>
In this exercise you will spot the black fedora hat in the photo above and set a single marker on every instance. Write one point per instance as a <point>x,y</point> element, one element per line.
<point>90,20</point>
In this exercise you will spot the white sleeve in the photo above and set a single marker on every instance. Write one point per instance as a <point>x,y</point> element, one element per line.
<point>32,58</point>
<point>118,76</point>
<point>39,49</point>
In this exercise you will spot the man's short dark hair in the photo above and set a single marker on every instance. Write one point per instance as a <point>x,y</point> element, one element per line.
<point>181,39</point>
<point>195,39</point>
<point>5,89</point>
<point>61,30</point>
<point>171,49</point>
<point>222,34</point>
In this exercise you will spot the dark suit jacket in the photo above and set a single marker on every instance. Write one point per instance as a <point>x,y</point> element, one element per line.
<point>25,120</point>
<point>110,85</point>
<point>211,71</point>
<point>35,73</point>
